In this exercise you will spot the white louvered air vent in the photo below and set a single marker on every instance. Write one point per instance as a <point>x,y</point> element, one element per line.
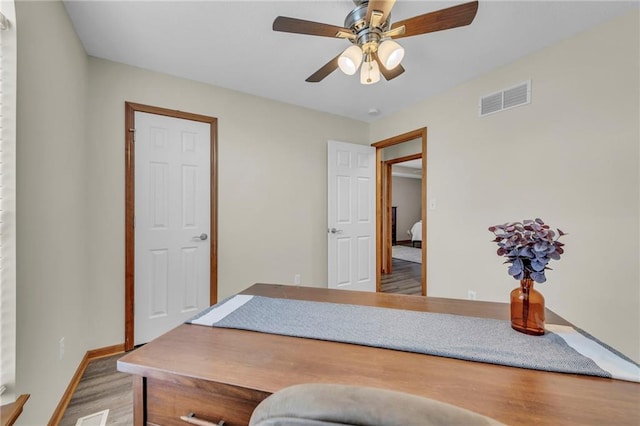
<point>505,99</point>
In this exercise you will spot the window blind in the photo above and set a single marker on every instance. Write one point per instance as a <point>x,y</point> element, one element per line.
<point>8,65</point>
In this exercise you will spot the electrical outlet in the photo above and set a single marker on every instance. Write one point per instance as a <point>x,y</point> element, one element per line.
<point>471,295</point>
<point>61,349</point>
<point>296,279</point>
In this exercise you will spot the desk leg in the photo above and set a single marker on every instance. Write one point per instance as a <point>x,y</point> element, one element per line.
<point>139,401</point>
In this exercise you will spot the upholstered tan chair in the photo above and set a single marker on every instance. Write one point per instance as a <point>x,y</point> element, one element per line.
<point>327,404</point>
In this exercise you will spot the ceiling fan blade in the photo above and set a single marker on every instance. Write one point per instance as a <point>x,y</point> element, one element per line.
<point>388,74</point>
<point>300,26</point>
<point>326,69</point>
<point>444,19</point>
<point>382,6</point>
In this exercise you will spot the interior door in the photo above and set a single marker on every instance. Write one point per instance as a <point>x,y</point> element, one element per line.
<point>172,221</point>
<point>351,216</point>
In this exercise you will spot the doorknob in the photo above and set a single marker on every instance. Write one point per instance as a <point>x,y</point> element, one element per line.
<point>335,231</point>
<point>201,237</point>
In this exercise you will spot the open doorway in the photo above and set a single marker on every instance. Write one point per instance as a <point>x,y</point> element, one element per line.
<point>401,231</point>
<point>402,245</point>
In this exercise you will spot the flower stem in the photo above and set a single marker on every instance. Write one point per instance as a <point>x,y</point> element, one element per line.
<point>525,307</point>
<point>526,286</point>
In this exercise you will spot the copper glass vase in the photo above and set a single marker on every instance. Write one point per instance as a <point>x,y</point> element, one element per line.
<point>527,309</point>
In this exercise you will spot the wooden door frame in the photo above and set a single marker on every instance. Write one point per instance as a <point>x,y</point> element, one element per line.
<point>383,201</point>
<point>129,130</point>
<point>387,194</point>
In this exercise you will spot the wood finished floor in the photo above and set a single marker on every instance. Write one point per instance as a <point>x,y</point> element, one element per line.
<point>406,278</point>
<point>103,387</point>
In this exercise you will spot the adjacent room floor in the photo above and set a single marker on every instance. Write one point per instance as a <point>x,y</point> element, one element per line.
<point>406,278</point>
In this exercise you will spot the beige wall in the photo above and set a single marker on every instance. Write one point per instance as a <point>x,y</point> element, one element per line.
<point>583,124</point>
<point>272,184</point>
<point>52,236</point>
<point>570,157</point>
<point>406,196</point>
<point>272,194</point>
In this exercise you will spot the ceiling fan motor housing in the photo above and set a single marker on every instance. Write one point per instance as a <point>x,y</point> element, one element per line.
<point>367,37</point>
<point>356,19</point>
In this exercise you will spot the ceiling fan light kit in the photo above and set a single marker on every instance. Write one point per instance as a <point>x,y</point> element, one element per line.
<point>390,54</point>
<point>369,28</point>
<point>350,60</point>
<point>369,73</point>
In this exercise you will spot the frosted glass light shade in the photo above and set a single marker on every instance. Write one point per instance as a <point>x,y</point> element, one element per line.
<point>369,73</point>
<point>350,60</point>
<point>390,54</point>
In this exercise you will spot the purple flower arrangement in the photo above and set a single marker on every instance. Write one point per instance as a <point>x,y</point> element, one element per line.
<point>528,246</point>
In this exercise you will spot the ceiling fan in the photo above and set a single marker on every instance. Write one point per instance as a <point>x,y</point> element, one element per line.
<point>369,29</point>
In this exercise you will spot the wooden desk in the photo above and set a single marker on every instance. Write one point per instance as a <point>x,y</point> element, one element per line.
<point>222,374</point>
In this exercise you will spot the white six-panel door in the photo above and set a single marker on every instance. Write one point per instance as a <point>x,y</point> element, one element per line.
<point>172,221</point>
<point>351,218</point>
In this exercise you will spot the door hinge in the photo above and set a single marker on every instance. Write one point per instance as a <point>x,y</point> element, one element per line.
<point>133,136</point>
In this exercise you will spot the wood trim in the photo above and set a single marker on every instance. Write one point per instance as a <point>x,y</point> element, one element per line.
<point>381,201</point>
<point>129,235</point>
<point>213,213</point>
<point>405,158</point>
<point>170,112</point>
<point>90,355</point>
<point>105,352</point>
<point>388,197</point>
<point>378,219</point>
<point>405,137</point>
<point>9,413</point>
<point>130,109</point>
<point>68,394</point>
<point>423,244</point>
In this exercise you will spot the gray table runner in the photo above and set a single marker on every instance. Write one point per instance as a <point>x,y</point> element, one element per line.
<point>467,338</point>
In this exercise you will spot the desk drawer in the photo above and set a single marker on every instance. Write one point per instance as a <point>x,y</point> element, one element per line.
<point>166,401</point>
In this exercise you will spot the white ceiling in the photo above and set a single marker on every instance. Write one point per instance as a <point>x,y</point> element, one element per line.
<point>408,169</point>
<point>231,44</point>
<point>414,164</point>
